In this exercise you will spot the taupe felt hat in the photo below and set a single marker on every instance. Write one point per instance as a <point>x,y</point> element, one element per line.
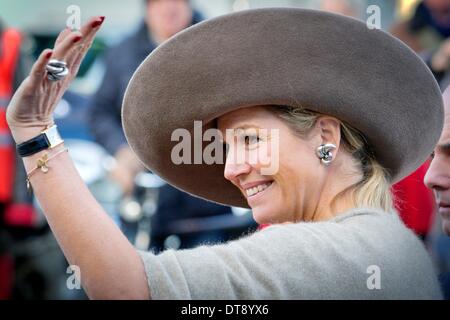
<point>281,56</point>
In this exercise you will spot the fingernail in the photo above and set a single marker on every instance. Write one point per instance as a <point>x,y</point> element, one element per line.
<point>48,54</point>
<point>98,22</point>
<point>76,39</point>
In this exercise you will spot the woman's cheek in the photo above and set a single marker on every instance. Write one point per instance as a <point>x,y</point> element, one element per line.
<point>261,156</point>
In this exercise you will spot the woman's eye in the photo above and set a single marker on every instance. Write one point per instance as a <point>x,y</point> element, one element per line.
<point>250,140</point>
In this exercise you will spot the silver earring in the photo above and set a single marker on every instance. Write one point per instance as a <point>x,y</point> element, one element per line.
<point>324,153</point>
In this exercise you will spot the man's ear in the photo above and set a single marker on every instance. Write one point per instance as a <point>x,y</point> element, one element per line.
<point>330,130</point>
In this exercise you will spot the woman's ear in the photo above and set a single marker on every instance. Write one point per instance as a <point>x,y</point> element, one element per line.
<point>330,130</point>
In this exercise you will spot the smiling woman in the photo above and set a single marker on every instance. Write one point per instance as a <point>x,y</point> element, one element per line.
<point>302,188</point>
<point>332,217</point>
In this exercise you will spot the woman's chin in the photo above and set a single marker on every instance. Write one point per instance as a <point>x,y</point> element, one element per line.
<point>265,214</point>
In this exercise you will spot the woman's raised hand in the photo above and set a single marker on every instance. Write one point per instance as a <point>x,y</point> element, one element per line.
<point>31,108</point>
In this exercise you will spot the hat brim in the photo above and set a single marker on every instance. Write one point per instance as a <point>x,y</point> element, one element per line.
<point>281,56</point>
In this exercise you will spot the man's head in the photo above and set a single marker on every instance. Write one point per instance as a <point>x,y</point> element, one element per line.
<point>167,17</point>
<point>438,175</point>
<point>440,11</point>
<point>351,8</point>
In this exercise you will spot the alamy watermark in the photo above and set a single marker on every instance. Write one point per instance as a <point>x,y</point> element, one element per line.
<point>73,22</point>
<point>374,280</point>
<point>374,17</point>
<point>73,281</point>
<point>243,146</point>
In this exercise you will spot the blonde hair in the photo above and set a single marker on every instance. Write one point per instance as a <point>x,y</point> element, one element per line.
<point>374,189</point>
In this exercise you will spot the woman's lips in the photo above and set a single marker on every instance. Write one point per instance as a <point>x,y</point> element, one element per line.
<point>254,184</point>
<point>252,188</point>
<point>253,199</point>
<point>250,192</point>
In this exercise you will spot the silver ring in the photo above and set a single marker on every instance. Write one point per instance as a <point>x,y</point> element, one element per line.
<point>56,70</point>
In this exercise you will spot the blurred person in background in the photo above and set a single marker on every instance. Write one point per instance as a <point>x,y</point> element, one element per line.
<point>16,211</point>
<point>350,8</point>
<point>438,179</point>
<point>163,19</point>
<point>427,33</point>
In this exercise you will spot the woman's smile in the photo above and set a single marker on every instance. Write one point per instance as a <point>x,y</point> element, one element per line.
<point>253,189</point>
<point>263,192</point>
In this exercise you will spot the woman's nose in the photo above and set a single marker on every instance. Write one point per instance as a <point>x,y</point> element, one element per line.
<point>234,167</point>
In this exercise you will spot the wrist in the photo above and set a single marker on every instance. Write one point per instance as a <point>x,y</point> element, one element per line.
<point>24,134</point>
<point>46,139</point>
<point>30,161</point>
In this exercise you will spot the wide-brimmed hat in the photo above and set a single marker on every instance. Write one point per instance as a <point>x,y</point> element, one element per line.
<point>281,56</point>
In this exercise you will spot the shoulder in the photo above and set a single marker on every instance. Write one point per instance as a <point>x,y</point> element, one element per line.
<point>365,233</point>
<point>358,220</point>
<point>302,260</point>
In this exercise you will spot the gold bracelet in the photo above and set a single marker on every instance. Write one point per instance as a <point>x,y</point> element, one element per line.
<point>42,164</point>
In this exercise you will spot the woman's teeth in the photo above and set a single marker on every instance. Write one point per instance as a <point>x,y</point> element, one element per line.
<point>252,191</point>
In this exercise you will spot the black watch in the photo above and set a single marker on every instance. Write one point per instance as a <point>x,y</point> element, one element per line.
<point>48,138</point>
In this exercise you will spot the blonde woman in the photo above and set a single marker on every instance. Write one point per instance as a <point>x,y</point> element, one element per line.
<point>318,114</point>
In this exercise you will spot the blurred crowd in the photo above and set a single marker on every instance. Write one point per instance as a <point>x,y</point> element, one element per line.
<point>152,214</point>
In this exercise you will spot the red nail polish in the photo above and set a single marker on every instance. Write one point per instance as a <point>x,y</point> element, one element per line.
<point>102,18</point>
<point>48,54</point>
<point>76,39</point>
<point>96,23</point>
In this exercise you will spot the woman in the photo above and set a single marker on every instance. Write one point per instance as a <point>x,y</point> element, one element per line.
<point>317,125</point>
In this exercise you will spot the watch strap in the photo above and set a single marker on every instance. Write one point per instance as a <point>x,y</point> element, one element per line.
<point>33,145</point>
<point>49,138</point>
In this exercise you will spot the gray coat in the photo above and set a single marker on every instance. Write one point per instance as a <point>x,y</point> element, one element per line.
<point>360,254</point>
